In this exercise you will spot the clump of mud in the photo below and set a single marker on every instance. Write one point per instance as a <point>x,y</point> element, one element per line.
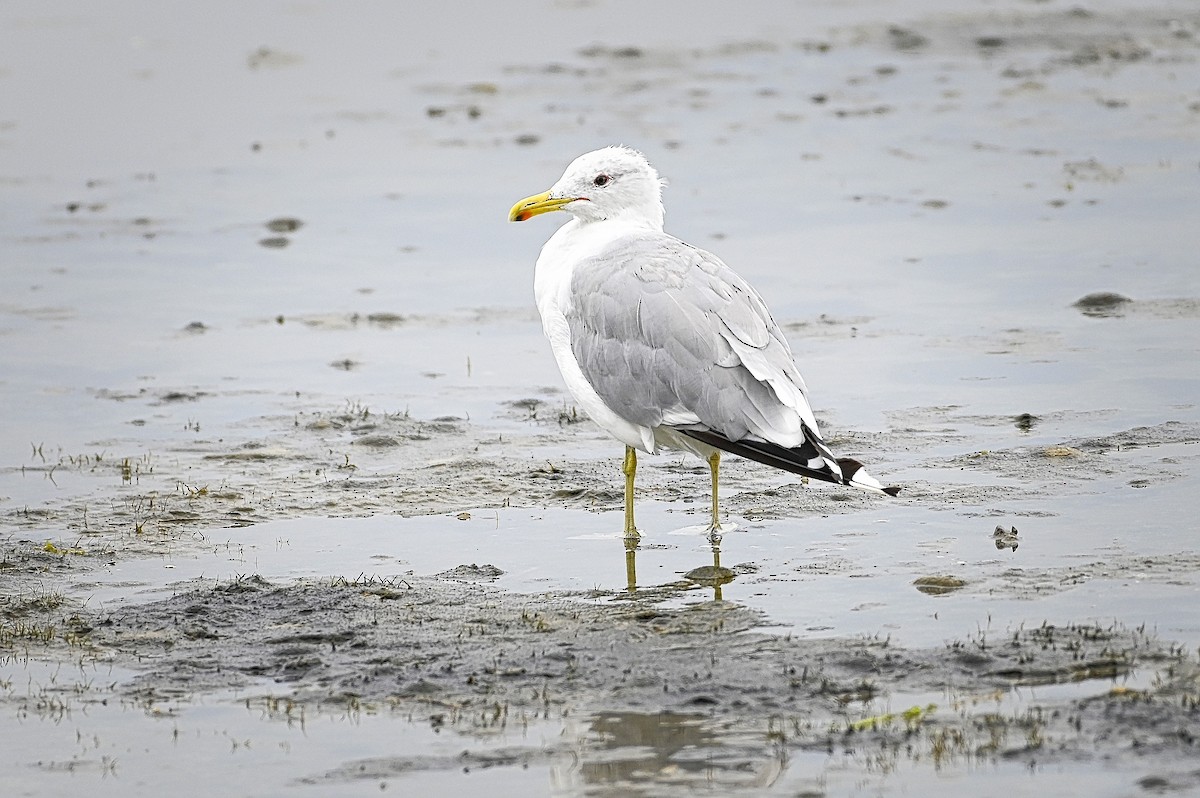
<point>1109,305</point>
<point>1102,304</point>
<point>463,654</point>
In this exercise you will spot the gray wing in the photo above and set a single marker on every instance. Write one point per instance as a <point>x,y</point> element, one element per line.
<point>667,333</point>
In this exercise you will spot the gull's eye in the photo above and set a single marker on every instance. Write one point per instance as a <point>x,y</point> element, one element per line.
<point>601,180</point>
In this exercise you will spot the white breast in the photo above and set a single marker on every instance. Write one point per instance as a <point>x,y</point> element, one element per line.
<point>552,291</point>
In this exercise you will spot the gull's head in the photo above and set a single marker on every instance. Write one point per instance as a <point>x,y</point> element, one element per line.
<point>611,183</point>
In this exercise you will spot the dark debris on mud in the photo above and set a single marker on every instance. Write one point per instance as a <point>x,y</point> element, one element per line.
<point>1083,459</point>
<point>356,462</point>
<point>464,654</point>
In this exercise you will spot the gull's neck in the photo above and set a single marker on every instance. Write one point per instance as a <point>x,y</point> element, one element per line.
<point>647,216</point>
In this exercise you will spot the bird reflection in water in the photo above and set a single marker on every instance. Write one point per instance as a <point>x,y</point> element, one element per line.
<point>683,750</point>
<point>713,576</point>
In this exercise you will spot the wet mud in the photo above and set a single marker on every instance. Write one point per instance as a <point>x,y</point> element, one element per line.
<point>453,651</point>
<point>457,653</point>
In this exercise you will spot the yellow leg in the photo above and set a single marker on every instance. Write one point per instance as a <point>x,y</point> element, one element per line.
<point>714,465</point>
<point>629,469</point>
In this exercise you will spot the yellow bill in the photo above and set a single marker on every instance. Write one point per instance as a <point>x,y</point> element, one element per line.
<point>535,205</point>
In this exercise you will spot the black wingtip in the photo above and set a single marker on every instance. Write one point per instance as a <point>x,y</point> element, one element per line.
<point>850,467</point>
<point>793,460</point>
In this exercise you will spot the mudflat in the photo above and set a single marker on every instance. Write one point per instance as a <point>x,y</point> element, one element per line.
<point>292,500</point>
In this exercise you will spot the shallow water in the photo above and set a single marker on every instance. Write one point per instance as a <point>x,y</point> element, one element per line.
<point>857,577</point>
<point>192,392</point>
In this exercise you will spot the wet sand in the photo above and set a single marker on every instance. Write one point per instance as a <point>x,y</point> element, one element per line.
<point>291,495</point>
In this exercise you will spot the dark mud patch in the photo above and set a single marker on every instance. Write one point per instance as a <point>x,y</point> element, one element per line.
<point>388,320</point>
<point>1046,42</point>
<point>828,325</point>
<point>464,655</point>
<point>473,573</point>
<point>1089,459</point>
<point>284,224</point>
<point>1102,304</point>
<point>1108,305</point>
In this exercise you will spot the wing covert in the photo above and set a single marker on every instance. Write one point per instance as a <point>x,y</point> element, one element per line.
<point>662,329</point>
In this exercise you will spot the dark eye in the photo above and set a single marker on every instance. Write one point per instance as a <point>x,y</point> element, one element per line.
<point>601,180</point>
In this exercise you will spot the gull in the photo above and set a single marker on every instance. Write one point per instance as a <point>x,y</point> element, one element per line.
<point>663,345</point>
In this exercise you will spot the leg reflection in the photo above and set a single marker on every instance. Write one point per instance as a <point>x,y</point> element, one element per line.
<point>714,575</point>
<point>716,550</point>
<point>631,546</point>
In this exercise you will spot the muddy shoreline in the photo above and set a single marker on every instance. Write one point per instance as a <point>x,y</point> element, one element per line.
<point>454,651</point>
<point>461,656</point>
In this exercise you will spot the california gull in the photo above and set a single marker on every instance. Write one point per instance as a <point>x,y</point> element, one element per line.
<point>660,342</point>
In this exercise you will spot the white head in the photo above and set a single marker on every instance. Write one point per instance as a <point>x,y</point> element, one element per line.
<point>611,183</point>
